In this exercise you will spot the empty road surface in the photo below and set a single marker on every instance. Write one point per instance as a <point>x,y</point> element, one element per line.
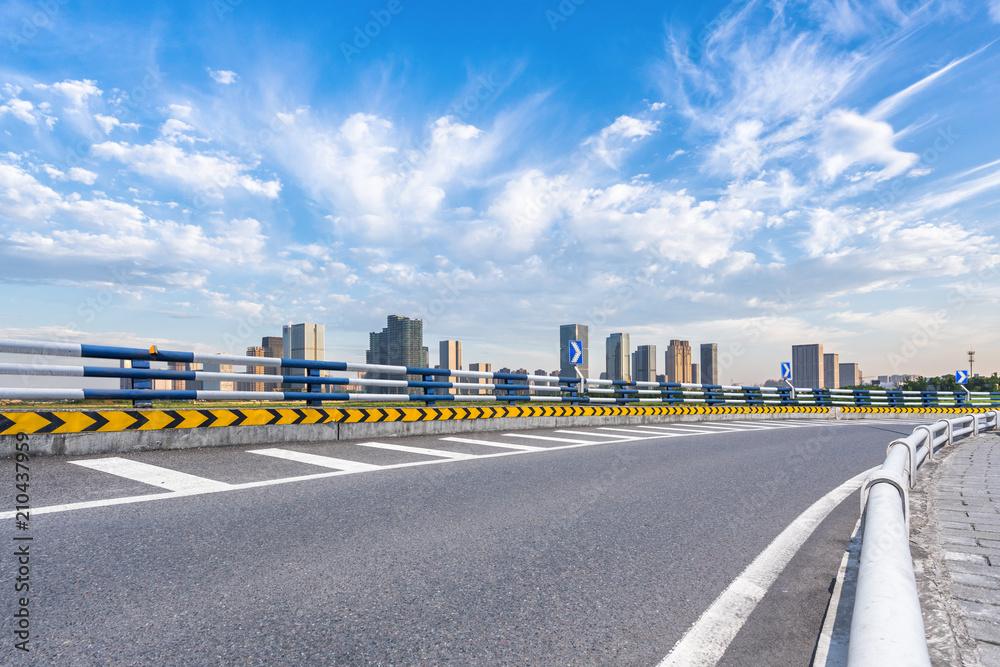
<point>575,546</point>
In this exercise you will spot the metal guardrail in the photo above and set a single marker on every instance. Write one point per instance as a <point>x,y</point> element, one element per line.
<point>304,381</point>
<point>887,626</point>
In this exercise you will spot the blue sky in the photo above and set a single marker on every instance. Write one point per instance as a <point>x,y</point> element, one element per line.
<point>753,174</point>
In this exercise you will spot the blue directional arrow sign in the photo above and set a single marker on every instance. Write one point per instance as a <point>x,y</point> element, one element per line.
<point>961,377</point>
<point>786,370</point>
<point>576,352</point>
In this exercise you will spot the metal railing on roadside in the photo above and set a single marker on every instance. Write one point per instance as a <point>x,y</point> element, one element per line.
<point>887,627</point>
<point>162,375</point>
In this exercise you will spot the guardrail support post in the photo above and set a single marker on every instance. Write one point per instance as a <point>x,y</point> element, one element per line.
<point>314,373</point>
<point>429,390</point>
<point>141,384</point>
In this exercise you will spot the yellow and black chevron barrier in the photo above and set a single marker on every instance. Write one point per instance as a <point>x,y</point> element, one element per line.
<point>915,410</point>
<point>105,421</point>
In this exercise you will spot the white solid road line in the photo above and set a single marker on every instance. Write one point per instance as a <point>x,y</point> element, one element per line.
<point>415,450</point>
<point>316,460</point>
<point>623,438</point>
<point>692,430</point>
<point>546,437</point>
<point>646,434</point>
<point>706,642</point>
<point>832,652</point>
<point>490,443</point>
<point>153,475</point>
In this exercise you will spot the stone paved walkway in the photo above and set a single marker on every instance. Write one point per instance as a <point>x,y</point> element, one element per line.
<point>966,498</point>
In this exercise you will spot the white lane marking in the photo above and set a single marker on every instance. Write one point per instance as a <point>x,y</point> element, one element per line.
<point>634,433</point>
<point>415,450</point>
<point>624,438</point>
<point>316,460</point>
<point>711,427</point>
<point>491,443</point>
<point>675,429</point>
<point>749,426</point>
<point>831,651</point>
<point>545,437</point>
<point>704,644</point>
<point>164,478</point>
<point>127,500</point>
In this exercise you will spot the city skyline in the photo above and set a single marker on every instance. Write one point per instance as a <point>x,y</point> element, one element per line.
<point>764,177</point>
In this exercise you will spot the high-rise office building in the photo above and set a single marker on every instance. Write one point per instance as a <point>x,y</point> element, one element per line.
<point>274,348</point>
<point>302,341</point>
<point>618,356</point>
<point>450,357</point>
<point>218,385</point>
<point>568,332</point>
<point>696,373</point>
<point>250,384</point>
<point>189,385</point>
<point>709,364</point>
<point>644,363</point>
<point>480,368</point>
<point>831,371</point>
<point>400,343</point>
<point>678,358</point>
<point>524,392</point>
<point>807,366</point>
<point>850,375</point>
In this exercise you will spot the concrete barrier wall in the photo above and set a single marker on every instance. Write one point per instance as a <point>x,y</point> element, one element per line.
<point>102,432</point>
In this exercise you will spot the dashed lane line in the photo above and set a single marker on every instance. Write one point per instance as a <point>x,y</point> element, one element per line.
<point>179,484</point>
<point>549,438</point>
<point>622,438</point>
<point>492,443</point>
<point>415,450</point>
<point>316,460</point>
<point>163,478</point>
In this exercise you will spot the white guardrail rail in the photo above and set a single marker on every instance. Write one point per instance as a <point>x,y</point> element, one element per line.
<point>887,627</point>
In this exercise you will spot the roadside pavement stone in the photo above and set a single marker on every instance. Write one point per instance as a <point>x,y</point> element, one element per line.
<point>964,491</point>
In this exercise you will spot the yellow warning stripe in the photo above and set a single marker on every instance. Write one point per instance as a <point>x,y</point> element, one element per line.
<point>104,421</point>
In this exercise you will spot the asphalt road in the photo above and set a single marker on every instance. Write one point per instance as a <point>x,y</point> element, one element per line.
<point>571,554</point>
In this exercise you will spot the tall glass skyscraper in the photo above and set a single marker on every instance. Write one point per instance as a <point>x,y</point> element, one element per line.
<point>619,355</point>
<point>400,343</point>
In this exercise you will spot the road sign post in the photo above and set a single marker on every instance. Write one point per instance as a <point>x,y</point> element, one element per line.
<point>962,379</point>
<point>576,352</point>
<point>786,375</point>
<point>576,359</point>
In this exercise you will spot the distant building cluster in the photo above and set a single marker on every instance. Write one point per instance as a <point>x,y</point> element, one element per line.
<point>400,343</point>
<point>624,364</point>
<point>814,369</point>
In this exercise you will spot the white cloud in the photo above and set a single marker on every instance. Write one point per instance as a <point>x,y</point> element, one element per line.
<point>849,139</point>
<point>173,131</point>
<point>77,92</point>
<point>225,77</point>
<point>374,176</point>
<point>964,190</point>
<point>210,174</point>
<point>23,197</point>
<point>20,109</point>
<point>107,123</point>
<point>994,6</point>
<point>610,143</point>
<point>893,103</point>
<point>75,174</point>
<point>527,207</point>
<point>182,111</point>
